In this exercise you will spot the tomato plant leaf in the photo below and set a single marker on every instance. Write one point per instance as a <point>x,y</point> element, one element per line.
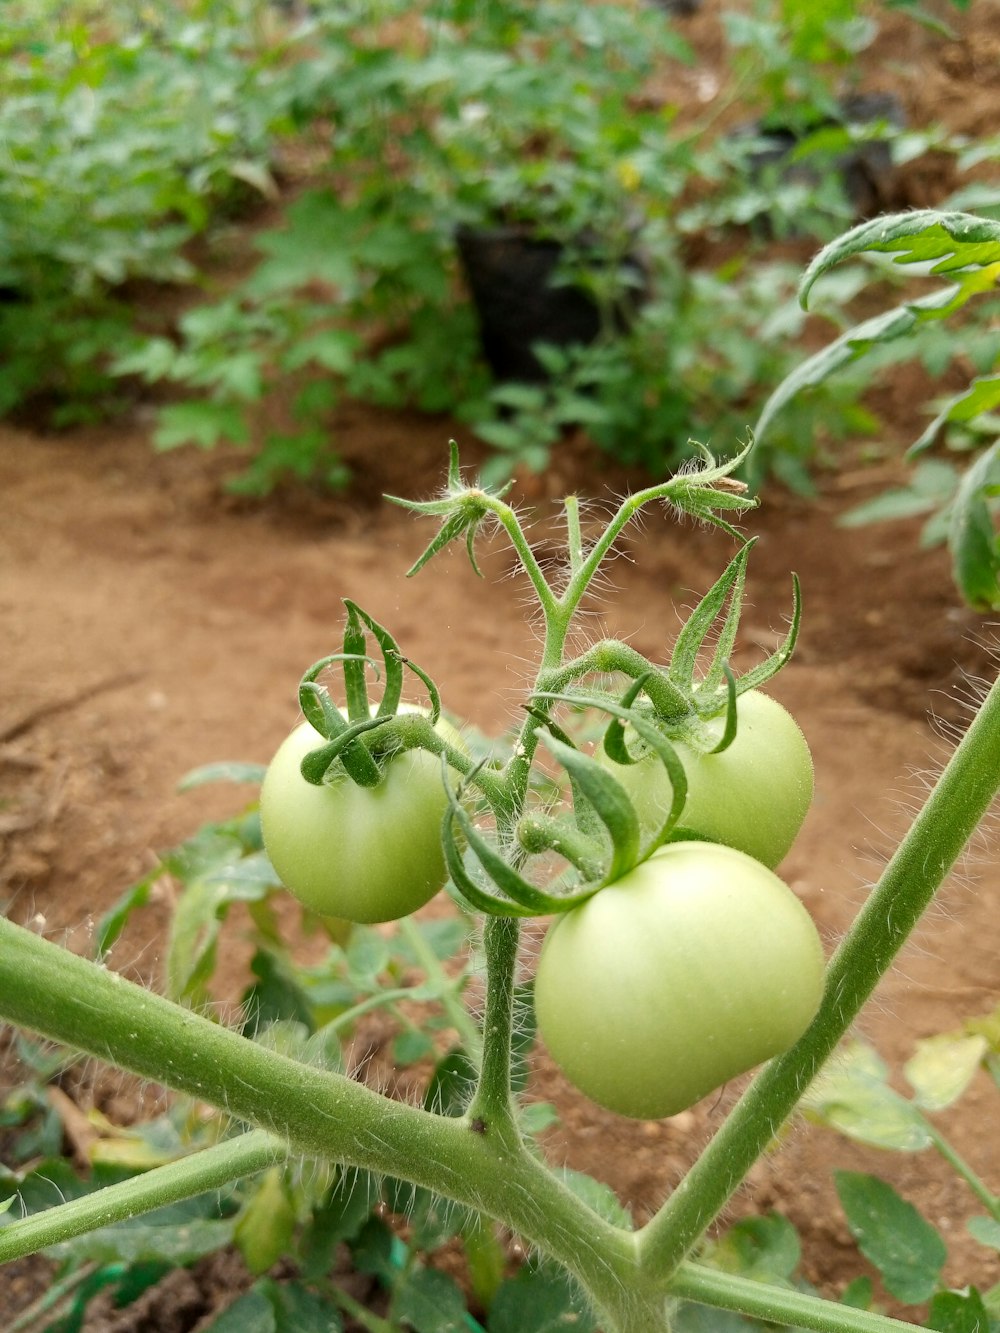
<point>891,1234</point>
<point>229,770</point>
<point>943,1067</point>
<point>764,1248</point>
<point>972,537</point>
<point>263,1231</point>
<point>958,1312</point>
<point>540,1300</point>
<point>430,1302</point>
<point>985,1229</point>
<point>853,1098</point>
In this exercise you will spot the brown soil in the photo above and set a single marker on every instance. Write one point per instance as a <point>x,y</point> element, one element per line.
<point>152,625</point>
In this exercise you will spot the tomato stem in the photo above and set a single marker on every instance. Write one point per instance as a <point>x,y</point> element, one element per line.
<point>776,1305</point>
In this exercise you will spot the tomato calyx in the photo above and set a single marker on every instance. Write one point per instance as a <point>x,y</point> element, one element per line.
<point>363,737</point>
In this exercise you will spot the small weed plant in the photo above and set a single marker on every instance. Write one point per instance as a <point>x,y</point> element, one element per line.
<point>639,808</point>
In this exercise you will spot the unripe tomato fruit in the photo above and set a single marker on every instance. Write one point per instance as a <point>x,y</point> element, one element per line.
<point>753,796</point>
<point>694,967</point>
<point>364,854</point>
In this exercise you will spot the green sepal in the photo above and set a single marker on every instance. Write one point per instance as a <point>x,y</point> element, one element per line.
<point>355,685</point>
<point>433,692</point>
<point>586,819</point>
<point>729,730</point>
<point>314,699</point>
<point>763,671</point>
<point>608,799</point>
<point>316,763</point>
<point>657,742</point>
<point>729,586</point>
<point>391,656</point>
<point>614,737</point>
<point>520,897</point>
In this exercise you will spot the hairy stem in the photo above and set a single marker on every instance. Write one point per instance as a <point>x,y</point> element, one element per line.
<point>68,999</point>
<point>492,1101</point>
<point>777,1305</point>
<point>211,1168</point>
<point>936,838</point>
<point>958,1163</point>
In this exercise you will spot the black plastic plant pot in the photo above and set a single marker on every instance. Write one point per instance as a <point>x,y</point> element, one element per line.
<point>522,298</point>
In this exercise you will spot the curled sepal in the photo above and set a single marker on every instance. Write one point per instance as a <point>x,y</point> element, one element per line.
<point>314,699</point>
<point>691,640</point>
<point>729,730</point>
<point>763,671</point>
<point>319,710</point>
<point>614,738</point>
<point>357,760</point>
<point>357,621</point>
<point>517,896</point>
<point>609,801</point>
<point>657,742</point>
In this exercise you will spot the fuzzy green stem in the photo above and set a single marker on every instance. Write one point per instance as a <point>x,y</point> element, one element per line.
<point>210,1169</point>
<point>777,1305</point>
<point>975,1183</point>
<point>68,999</point>
<point>511,525</point>
<point>936,838</point>
<point>492,1102</point>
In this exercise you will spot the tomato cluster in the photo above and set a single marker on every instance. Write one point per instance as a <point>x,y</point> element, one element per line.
<point>700,962</point>
<point>694,966</point>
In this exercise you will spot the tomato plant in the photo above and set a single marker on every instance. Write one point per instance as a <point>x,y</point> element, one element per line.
<point>664,975</point>
<point>694,967</point>
<point>360,853</point>
<point>753,795</point>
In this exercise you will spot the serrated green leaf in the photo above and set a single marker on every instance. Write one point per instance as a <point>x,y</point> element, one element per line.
<point>540,1300</point>
<point>430,1302</point>
<point>139,1242</point>
<point>204,424</point>
<point>226,771</point>
<point>943,1067</point>
<point>766,1249</point>
<point>958,1312</point>
<point>598,1196</point>
<point>299,1310</point>
<point>250,1313</point>
<point>975,549</point>
<point>891,1234</point>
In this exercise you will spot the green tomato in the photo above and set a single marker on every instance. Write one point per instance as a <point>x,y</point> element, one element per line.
<point>694,967</point>
<point>753,796</point>
<point>364,854</point>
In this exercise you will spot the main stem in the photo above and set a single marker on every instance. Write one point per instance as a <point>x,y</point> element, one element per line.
<point>68,999</point>
<point>949,817</point>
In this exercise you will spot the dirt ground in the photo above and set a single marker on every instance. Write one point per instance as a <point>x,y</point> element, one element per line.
<point>150,624</point>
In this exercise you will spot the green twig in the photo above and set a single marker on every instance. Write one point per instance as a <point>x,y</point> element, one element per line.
<point>777,1305</point>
